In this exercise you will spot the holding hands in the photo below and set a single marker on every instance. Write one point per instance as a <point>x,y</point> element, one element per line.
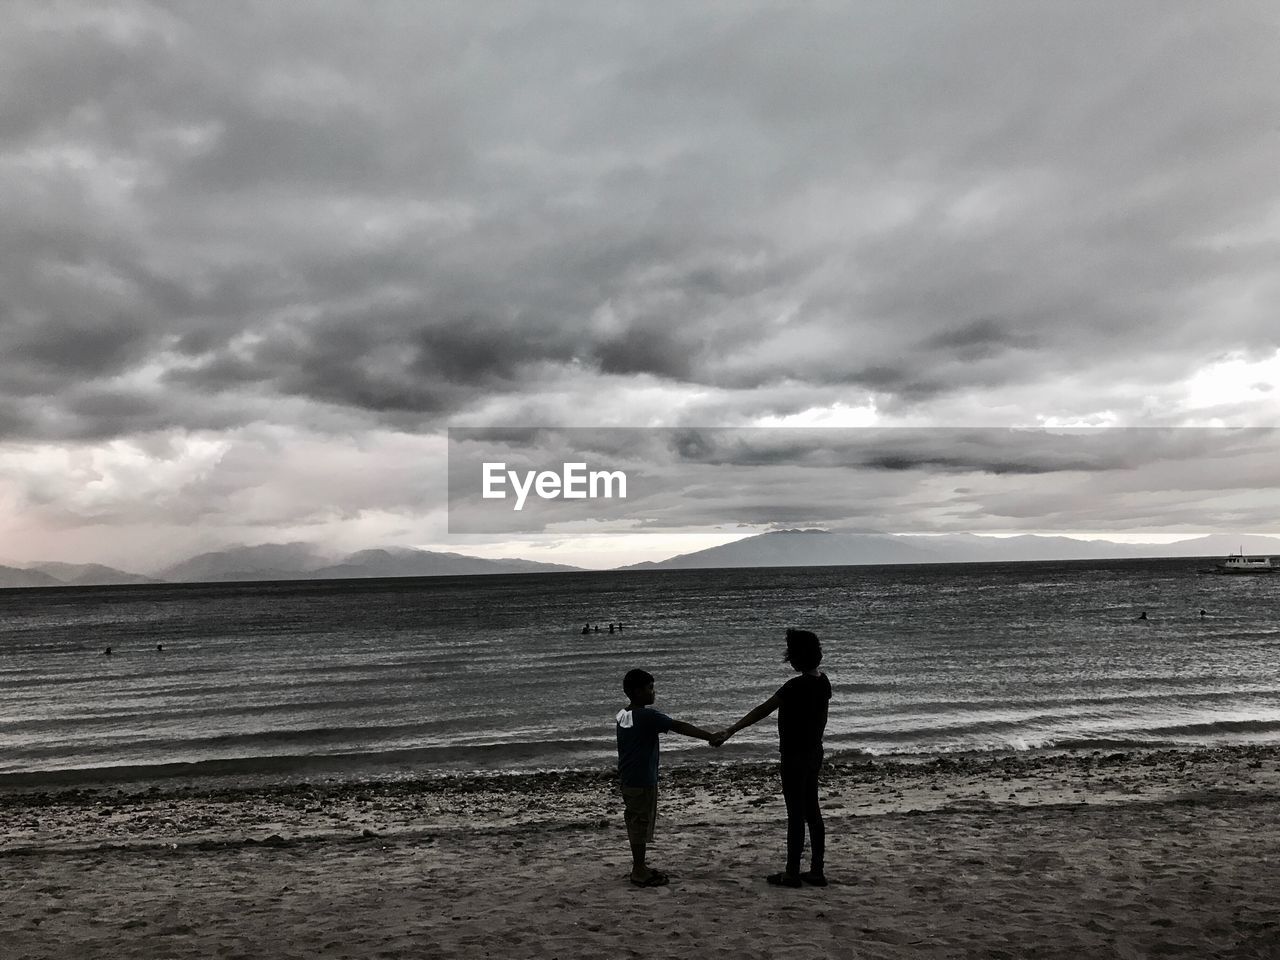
<point>755,716</point>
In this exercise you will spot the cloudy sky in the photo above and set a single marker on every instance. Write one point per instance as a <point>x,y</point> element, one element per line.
<point>256,258</point>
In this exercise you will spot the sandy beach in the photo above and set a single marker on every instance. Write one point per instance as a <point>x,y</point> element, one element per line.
<point>1080,855</point>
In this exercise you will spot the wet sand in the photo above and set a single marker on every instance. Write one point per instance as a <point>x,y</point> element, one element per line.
<point>1097,854</point>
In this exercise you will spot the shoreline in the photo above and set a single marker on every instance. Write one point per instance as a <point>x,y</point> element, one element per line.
<point>267,772</point>
<point>1089,855</point>
<point>198,810</point>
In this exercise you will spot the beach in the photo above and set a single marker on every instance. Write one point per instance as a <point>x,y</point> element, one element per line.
<point>1086,854</point>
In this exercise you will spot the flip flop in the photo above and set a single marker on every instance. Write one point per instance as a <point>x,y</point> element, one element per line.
<point>782,880</point>
<point>813,879</point>
<point>656,878</point>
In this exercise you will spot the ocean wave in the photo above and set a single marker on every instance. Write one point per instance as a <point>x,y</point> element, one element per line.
<point>123,713</point>
<point>420,760</point>
<point>248,743</point>
<point>1219,727</point>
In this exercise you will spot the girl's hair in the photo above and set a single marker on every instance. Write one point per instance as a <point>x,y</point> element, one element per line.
<point>804,651</point>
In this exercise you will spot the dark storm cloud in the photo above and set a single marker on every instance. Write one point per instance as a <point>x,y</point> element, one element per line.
<point>329,218</point>
<point>81,345</point>
<point>947,450</point>
<point>913,202</point>
<point>980,339</point>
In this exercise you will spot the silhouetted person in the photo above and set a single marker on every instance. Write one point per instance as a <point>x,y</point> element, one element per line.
<point>611,628</point>
<point>801,703</point>
<point>1142,615</point>
<point>596,628</point>
<point>1202,614</point>
<point>586,628</point>
<point>106,652</point>
<point>159,646</point>
<point>639,727</point>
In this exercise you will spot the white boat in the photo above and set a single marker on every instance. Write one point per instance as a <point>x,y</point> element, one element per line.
<point>1239,563</point>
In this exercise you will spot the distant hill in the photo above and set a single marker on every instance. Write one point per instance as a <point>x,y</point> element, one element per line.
<point>963,547</point>
<point>971,548</point>
<point>410,562</point>
<point>277,561</point>
<point>300,561</point>
<point>798,548</point>
<point>267,561</point>
<point>87,574</point>
<point>817,548</point>
<point>783,548</point>
<point>1221,545</point>
<point>15,577</point>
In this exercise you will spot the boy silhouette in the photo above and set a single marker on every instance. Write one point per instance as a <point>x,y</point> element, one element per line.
<point>638,729</point>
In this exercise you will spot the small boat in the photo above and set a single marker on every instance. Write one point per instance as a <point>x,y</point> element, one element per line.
<point>1239,563</point>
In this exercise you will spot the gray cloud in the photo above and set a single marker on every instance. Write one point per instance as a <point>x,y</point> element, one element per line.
<point>325,216</point>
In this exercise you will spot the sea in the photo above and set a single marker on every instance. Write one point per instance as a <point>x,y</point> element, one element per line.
<point>408,678</point>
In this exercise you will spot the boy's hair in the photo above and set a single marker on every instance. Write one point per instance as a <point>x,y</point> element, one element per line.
<point>636,680</point>
<point>804,651</point>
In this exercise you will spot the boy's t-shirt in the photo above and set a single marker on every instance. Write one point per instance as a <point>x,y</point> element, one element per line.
<point>802,714</point>
<point>638,731</point>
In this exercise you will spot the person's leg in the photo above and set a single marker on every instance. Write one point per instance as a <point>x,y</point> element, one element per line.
<point>793,792</point>
<point>813,817</point>
<point>636,816</point>
<point>638,851</point>
<point>641,804</point>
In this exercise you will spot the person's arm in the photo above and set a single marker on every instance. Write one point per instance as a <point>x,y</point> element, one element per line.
<point>689,730</point>
<point>755,716</point>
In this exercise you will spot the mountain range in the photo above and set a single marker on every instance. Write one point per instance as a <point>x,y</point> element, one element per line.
<point>53,574</point>
<point>783,548</point>
<point>818,548</point>
<point>277,561</point>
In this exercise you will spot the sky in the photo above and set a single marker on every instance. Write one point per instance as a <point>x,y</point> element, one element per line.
<point>257,258</point>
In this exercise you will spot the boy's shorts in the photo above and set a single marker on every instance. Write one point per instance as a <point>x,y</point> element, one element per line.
<point>640,811</point>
